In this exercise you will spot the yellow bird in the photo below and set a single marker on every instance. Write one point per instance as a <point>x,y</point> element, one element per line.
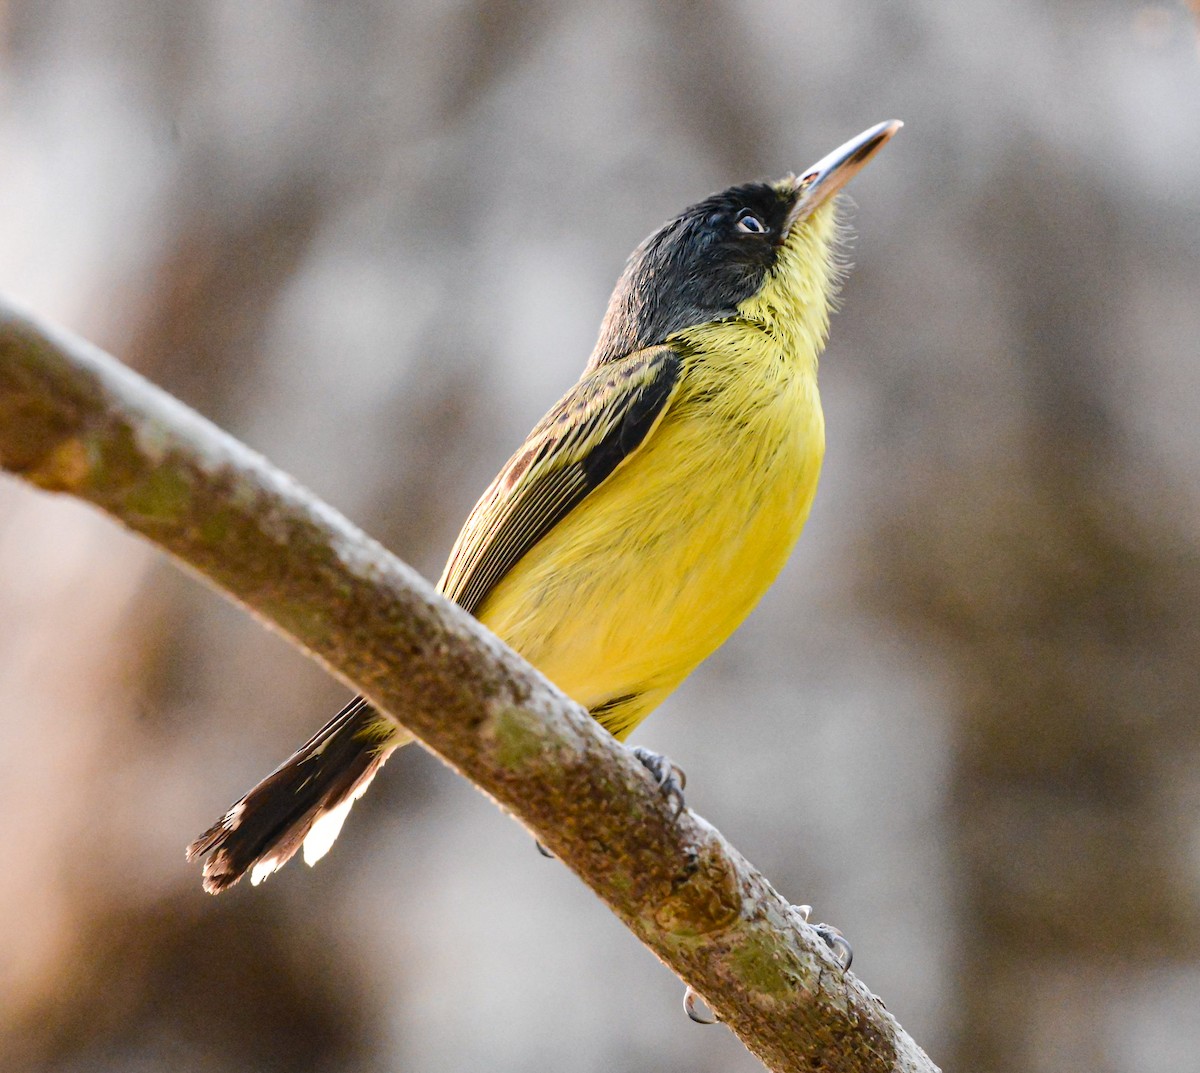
<point>646,514</point>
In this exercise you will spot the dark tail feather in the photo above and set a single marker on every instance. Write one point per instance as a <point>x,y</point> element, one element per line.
<point>303,802</point>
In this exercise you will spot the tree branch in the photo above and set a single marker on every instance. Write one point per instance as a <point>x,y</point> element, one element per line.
<point>74,420</point>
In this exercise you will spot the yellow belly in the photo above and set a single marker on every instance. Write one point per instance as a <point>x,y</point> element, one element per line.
<point>658,566</point>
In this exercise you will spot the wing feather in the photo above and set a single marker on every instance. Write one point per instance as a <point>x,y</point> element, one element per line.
<point>595,427</point>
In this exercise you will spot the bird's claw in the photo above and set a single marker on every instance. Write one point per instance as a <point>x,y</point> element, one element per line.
<point>671,779</point>
<point>690,997</point>
<point>838,943</point>
<point>543,850</point>
<point>833,938</point>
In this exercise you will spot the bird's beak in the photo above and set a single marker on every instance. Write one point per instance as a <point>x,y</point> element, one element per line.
<point>829,174</point>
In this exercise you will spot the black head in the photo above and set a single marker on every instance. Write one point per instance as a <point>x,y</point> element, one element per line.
<point>696,268</point>
<point>713,256</point>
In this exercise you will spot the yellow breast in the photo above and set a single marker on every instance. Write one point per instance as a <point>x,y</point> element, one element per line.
<point>658,566</point>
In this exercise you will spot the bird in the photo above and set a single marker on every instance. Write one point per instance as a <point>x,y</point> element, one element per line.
<point>645,515</point>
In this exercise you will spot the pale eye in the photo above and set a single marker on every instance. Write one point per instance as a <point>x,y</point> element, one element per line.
<point>750,223</point>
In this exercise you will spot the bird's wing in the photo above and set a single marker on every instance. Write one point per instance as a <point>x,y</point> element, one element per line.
<point>595,427</point>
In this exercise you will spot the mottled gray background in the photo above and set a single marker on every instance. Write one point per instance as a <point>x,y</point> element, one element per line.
<point>375,240</point>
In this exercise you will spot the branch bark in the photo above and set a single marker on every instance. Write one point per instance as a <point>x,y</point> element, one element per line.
<point>74,420</point>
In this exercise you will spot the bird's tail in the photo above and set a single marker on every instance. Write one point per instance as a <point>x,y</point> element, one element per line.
<point>303,802</point>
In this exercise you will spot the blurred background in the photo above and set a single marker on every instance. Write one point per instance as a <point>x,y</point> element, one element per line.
<point>375,240</point>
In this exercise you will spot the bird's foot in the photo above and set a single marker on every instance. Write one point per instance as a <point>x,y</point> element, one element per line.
<point>833,937</point>
<point>690,997</point>
<point>671,779</point>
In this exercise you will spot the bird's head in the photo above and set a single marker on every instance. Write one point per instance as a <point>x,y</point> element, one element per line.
<point>761,251</point>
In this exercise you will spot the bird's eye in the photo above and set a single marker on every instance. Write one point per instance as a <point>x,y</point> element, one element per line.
<point>750,223</point>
